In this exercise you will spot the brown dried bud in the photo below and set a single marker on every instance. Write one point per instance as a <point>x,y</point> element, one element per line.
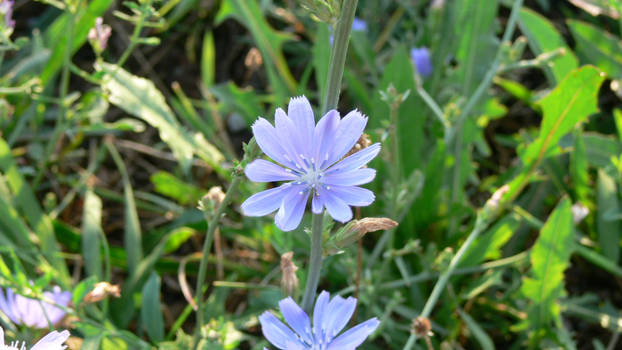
<point>211,201</point>
<point>495,199</point>
<point>289,281</point>
<point>355,230</point>
<point>422,327</point>
<point>101,291</point>
<point>253,59</point>
<point>363,142</point>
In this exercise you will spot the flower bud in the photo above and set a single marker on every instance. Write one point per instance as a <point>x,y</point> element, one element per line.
<point>354,231</point>
<point>101,291</point>
<point>422,61</point>
<point>289,280</point>
<point>99,35</point>
<point>422,327</point>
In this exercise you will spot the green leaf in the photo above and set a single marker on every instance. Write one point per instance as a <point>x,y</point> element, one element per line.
<point>399,72</point>
<point>572,101</point>
<point>151,310</point>
<point>57,34</point>
<point>480,335</point>
<point>169,185</point>
<point>543,38</point>
<point>550,256</point>
<point>91,234</point>
<point>82,289</point>
<point>597,47</point>
<point>578,170</point>
<point>25,201</point>
<point>268,40</point>
<point>608,230</point>
<point>132,238</point>
<point>488,246</point>
<point>321,57</point>
<point>478,44</point>
<point>208,59</point>
<point>140,97</point>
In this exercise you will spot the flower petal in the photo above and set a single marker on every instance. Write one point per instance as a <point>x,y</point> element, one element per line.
<point>324,137</point>
<point>52,341</point>
<point>336,207</point>
<point>292,208</point>
<point>261,170</point>
<point>316,204</point>
<point>296,318</point>
<point>355,160</point>
<point>300,112</point>
<point>275,331</point>
<point>288,135</point>
<point>54,313</point>
<point>350,130</point>
<point>352,195</point>
<point>355,336</point>
<point>6,306</point>
<point>350,178</point>
<point>268,140</point>
<point>294,346</point>
<point>319,313</point>
<point>341,311</point>
<point>265,202</point>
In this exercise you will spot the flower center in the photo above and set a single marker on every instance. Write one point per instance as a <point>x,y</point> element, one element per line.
<point>312,177</point>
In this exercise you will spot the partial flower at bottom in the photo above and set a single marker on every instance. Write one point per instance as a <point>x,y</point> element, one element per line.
<point>329,318</point>
<point>52,341</point>
<point>311,159</point>
<point>32,312</point>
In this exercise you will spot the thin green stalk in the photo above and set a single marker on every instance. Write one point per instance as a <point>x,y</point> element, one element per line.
<point>338,55</point>
<point>480,225</point>
<point>135,35</point>
<point>315,263</point>
<point>64,88</point>
<point>455,132</point>
<point>209,237</point>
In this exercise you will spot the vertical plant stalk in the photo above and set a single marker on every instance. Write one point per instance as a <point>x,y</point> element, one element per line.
<point>59,128</point>
<point>455,132</point>
<point>338,55</point>
<point>135,35</point>
<point>315,262</point>
<point>209,237</point>
<point>482,220</point>
<point>330,100</point>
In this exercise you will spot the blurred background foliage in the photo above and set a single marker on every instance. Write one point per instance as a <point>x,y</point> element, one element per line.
<point>105,151</point>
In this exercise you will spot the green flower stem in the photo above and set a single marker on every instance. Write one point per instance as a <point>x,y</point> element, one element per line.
<point>315,263</point>
<point>480,225</point>
<point>209,237</point>
<point>338,55</point>
<point>330,100</point>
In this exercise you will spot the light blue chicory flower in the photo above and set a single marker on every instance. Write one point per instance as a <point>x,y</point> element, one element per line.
<point>310,158</point>
<point>52,341</point>
<point>32,312</point>
<point>423,63</point>
<point>329,318</point>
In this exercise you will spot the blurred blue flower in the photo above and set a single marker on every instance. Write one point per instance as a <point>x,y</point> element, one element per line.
<point>421,58</point>
<point>310,158</point>
<point>358,25</point>
<point>32,312</point>
<point>329,318</point>
<point>6,9</point>
<point>52,341</point>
